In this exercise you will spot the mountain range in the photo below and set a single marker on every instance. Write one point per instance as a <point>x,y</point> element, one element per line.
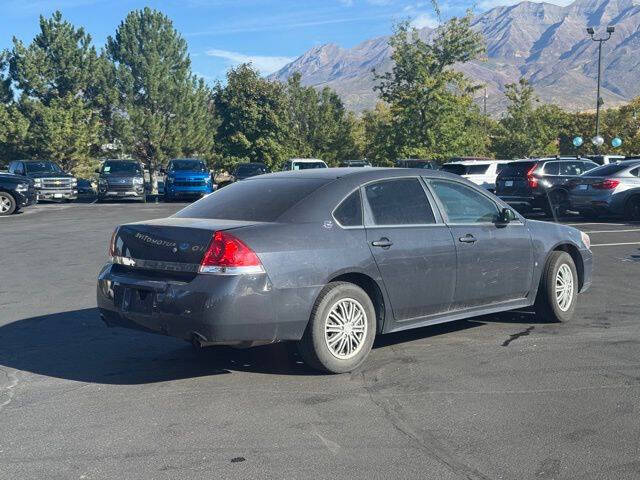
<point>545,43</point>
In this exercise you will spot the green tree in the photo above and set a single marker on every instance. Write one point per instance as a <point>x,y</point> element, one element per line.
<point>431,105</point>
<point>56,116</point>
<point>253,119</point>
<point>6,94</point>
<point>529,130</point>
<point>162,111</point>
<point>60,61</point>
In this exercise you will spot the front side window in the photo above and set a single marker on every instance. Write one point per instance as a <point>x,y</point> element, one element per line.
<point>463,204</point>
<point>479,169</point>
<point>572,169</point>
<point>399,202</point>
<point>349,212</point>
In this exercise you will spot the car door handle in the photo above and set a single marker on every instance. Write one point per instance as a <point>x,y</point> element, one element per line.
<point>382,243</point>
<point>468,238</point>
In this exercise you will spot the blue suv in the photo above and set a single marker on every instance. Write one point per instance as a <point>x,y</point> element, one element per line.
<point>186,177</point>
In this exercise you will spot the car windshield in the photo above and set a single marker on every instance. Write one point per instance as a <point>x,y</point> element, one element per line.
<point>121,167</point>
<point>191,165</point>
<point>517,169</point>
<point>259,200</point>
<point>606,170</point>
<point>308,165</point>
<point>250,169</point>
<point>416,164</point>
<point>43,167</point>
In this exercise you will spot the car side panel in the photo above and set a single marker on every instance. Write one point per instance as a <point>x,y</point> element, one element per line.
<point>301,259</point>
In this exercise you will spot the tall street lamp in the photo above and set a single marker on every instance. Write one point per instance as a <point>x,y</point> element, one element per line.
<point>598,140</point>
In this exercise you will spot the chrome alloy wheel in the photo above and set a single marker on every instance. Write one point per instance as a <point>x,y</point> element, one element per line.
<point>5,204</point>
<point>564,287</point>
<point>345,328</point>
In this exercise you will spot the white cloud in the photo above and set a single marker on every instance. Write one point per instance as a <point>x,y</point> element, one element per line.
<point>264,64</point>
<point>424,20</point>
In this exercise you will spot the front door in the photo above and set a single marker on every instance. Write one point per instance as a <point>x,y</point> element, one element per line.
<point>495,262</point>
<point>414,251</point>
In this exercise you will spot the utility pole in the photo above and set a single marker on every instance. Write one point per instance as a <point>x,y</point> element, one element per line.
<point>598,140</point>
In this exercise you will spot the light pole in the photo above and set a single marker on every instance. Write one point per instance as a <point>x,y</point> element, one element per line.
<point>599,102</point>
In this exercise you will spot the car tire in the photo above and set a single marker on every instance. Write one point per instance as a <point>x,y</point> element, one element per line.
<point>552,304</point>
<point>341,329</point>
<point>632,209</point>
<point>7,204</point>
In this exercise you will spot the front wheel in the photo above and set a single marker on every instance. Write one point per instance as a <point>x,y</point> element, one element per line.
<point>341,329</point>
<point>7,204</point>
<point>558,290</point>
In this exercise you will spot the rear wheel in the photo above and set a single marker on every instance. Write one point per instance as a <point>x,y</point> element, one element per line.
<point>632,209</point>
<point>7,204</point>
<point>558,290</point>
<point>341,329</point>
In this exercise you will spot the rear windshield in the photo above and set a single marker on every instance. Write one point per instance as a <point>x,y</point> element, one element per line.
<point>426,164</point>
<point>459,169</point>
<point>259,200</point>
<point>308,165</point>
<point>191,165</point>
<point>43,167</point>
<point>245,168</point>
<point>606,170</point>
<point>121,167</point>
<point>517,169</point>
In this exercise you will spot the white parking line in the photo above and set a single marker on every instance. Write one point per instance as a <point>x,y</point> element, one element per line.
<point>614,244</point>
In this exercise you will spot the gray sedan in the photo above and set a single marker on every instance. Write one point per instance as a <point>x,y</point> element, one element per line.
<point>330,258</point>
<point>610,189</point>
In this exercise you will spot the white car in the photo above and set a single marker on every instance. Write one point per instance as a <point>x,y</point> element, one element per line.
<point>480,172</point>
<point>303,164</point>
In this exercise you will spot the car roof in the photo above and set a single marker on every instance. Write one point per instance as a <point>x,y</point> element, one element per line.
<point>310,160</point>
<point>356,174</point>
<point>476,162</point>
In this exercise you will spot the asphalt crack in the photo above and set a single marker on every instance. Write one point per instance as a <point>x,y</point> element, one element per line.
<point>515,336</point>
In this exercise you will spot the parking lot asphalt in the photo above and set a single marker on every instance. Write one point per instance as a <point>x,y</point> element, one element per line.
<point>499,397</point>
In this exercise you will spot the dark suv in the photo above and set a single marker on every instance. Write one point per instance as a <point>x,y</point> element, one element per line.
<point>16,191</point>
<point>540,183</point>
<point>51,182</point>
<point>121,179</point>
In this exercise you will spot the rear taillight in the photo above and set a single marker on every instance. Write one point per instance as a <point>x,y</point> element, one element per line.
<point>531,180</point>
<point>606,184</point>
<point>228,255</point>
<point>112,243</point>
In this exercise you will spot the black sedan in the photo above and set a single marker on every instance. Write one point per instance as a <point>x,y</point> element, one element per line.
<point>330,258</point>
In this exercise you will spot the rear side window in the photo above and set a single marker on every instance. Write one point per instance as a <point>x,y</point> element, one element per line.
<point>500,167</point>
<point>454,168</point>
<point>552,168</point>
<point>479,169</point>
<point>399,202</point>
<point>260,200</point>
<point>349,212</point>
<point>463,204</point>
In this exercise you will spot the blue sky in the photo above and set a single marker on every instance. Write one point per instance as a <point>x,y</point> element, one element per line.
<point>221,33</point>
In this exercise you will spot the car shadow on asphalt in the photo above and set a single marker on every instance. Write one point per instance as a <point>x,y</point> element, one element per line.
<point>77,346</point>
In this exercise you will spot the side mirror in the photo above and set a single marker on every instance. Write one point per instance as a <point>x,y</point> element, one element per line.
<point>506,216</point>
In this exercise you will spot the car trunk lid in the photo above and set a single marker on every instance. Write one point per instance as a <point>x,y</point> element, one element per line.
<point>176,244</point>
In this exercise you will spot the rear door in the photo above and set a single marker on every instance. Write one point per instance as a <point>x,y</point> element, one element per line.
<point>413,249</point>
<point>494,261</point>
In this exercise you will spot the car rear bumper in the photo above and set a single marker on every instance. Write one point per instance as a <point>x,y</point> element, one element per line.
<point>604,204</point>
<point>522,202</point>
<point>214,309</point>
